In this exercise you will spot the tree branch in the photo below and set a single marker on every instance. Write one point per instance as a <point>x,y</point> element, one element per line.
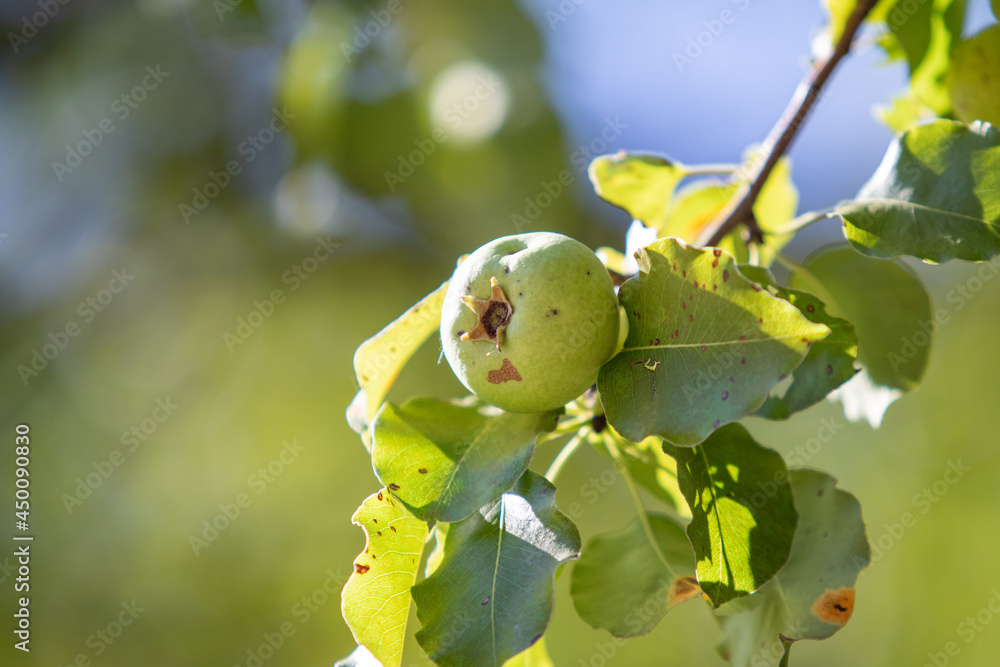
<point>739,211</point>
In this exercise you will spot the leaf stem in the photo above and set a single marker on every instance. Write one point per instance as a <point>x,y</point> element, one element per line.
<point>567,451</point>
<point>633,490</point>
<point>708,169</point>
<point>739,211</point>
<point>804,220</point>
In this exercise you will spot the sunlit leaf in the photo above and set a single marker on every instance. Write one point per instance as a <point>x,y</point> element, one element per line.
<point>492,596</point>
<point>935,196</point>
<point>625,582</point>
<point>743,518</point>
<point>535,656</point>
<point>830,362</point>
<point>813,595</point>
<point>640,184</point>
<point>654,470</point>
<point>704,347</point>
<point>903,111</point>
<point>974,77</point>
<point>887,304</point>
<point>777,204</point>
<point>379,359</point>
<point>445,461</point>
<point>376,599</point>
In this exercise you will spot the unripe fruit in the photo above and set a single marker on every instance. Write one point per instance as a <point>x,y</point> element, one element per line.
<point>974,77</point>
<point>528,320</point>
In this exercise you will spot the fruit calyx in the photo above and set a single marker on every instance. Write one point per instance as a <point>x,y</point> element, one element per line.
<point>493,315</point>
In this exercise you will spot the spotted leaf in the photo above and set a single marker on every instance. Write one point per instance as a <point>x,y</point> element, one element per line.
<point>445,461</point>
<point>705,345</point>
<point>813,595</point>
<point>376,599</point>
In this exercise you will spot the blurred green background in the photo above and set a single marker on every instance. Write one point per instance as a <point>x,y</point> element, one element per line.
<point>221,200</point>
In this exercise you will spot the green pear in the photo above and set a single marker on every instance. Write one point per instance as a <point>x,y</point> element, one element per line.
<point>528,320</point>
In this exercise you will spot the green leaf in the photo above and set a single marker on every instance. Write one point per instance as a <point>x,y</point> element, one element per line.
<point>625,582</point>
<point>911,26</point>
<point>995,6</point>
<point>830,362</point>
<point>888,306</point>
<point>813,595</point>
<point>704,346</point>
<point>376,599</point>
<point>642,185</point>
<point>492,595</point>
<point>928,79</point>
<point>445,461</point>
<point>535,656</point>
<point>695,206</point>
<point>936,196</point>
<point>904,110</point>
<point>379,359</point>
<point>840,11</point>
<point>777,204</point>
<point>743,517</point>
<point>652,469</point>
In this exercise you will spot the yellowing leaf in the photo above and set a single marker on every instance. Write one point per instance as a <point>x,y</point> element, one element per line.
<point>379,359</point>
<point>376,599</point>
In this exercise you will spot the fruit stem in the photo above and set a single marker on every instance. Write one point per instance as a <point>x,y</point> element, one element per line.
<point>567,451</point>
<point>739,210</point>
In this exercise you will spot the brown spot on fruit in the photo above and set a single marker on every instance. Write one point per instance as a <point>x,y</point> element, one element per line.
<point>505,373</point>
<point>725,395</point>
<point>392,528</point>
<point>361,569</point>
<point>423,471</point>
<point>829,370</point>
<point>394,487</point>
<point>486,601</point>
<point>380,495</point>
<point>656,342</point>
<point>684,305</point>
<point>715,263</point>
<point>682,590</point>
<point>717,252</point>
<point>811,308</point>
<point>555,312</point>
<point>742,338</point>
<point>725,275</point>
<point>379,533</point>
<point>716,424</point>
<point>704,347</point>
<point>835,606</point>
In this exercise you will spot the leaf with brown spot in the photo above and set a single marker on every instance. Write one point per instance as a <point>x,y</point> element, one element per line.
<point>676,390</point>
<point>829,363</point>
<point>376,599</point>
<point>622,572</point>
<point>801,602</point>
<point>743,519</point>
